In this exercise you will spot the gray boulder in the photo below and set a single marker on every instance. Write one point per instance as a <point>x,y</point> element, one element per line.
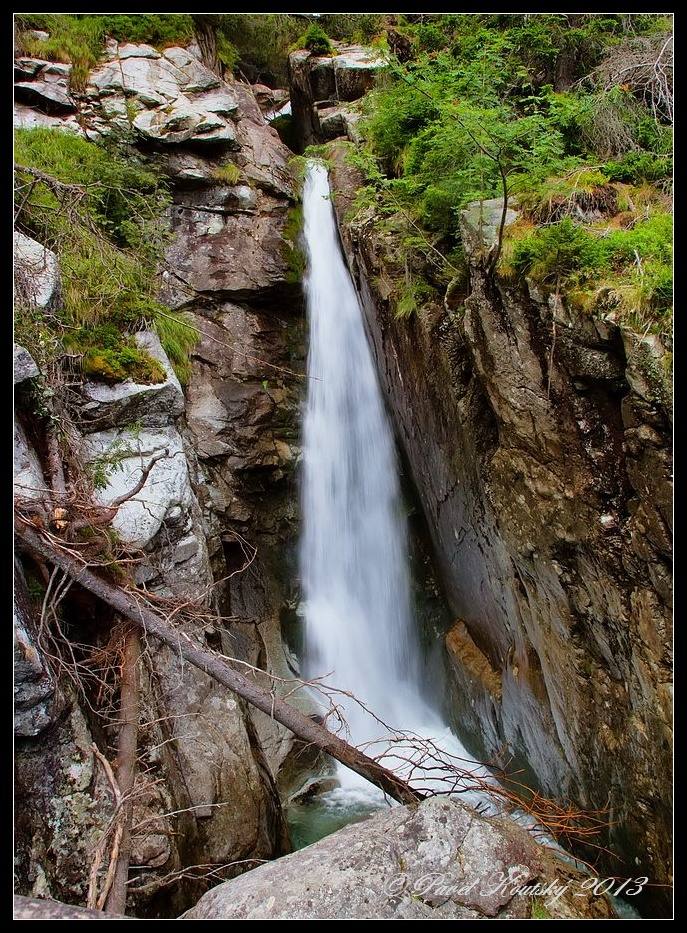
<point>45,908</point>
<point>29,482</point>
<point>480,223</point>
<point>166,493</point>
<point>439,860</point>
<point>36,271</point>
<point>24,365</point>
<point>50,96</point>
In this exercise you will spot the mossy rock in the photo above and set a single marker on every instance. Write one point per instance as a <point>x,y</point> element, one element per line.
<point>117,365</point>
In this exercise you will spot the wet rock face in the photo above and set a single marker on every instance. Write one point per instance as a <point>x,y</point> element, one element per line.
<point>435,861</point>
<point>322,86</point>
<point>547,494</point>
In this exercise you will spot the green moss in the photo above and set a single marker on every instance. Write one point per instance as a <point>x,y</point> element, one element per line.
<point>117,365</point>
<point>292,250</point>
<point>112,356</point>
<point>539,911</point>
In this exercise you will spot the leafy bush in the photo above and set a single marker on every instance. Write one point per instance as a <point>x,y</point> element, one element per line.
<point>316,40</point>
<point>555,253</point>
<point>637,167</point>
<point>488,103</point>
<point>352,27</point>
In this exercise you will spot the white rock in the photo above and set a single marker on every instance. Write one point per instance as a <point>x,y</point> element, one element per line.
<point>29,482</point>
<point>196,77</point>
<point>52,96</point>
<point>156,81</point>
<point>129,50</point>
<point>24,365</point>
<point>26,117</point>
<point>167,486</point>
<point>36,271</point>
<point>436,860</point>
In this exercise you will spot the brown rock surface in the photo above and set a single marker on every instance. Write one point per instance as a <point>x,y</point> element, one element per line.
<point>549,514</point>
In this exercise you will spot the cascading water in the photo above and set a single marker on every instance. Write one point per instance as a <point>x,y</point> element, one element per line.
<point>359,625</point>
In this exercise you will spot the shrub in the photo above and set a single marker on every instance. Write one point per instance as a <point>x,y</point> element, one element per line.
<point>557,252</point>
<point>316,40</point>
<point>637,167</point>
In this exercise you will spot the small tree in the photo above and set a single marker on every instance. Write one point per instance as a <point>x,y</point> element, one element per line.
<point>317,40</point>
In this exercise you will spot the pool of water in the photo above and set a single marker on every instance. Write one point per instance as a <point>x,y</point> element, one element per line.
<point>316,817</point>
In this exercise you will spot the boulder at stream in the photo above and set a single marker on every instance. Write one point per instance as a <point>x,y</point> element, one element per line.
<point>437,861</point>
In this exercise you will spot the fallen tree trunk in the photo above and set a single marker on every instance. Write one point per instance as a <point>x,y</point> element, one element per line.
<point>152,624</point>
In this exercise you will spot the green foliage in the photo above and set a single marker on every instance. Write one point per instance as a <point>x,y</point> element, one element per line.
<point>584,188</point>
<point>261,43</point>
<point>109,238</point>
<point>637,167</point>
<point>316,40</point>
<point>489,103</point>
<point>352,27</point>
<point>178,338</point>
<point>227,174</point>
<point>412,297</point>
<point>555,253</point>
<point>111,461</point>
<point>627,272</point>
<point>292,249</point>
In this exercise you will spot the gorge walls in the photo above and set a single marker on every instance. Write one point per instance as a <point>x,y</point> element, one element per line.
<point>547,492</point>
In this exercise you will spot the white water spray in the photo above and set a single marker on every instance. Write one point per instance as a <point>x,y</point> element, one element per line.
<point>359,622</point>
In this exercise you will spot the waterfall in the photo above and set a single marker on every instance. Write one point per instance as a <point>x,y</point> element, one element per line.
<point>359,624</point>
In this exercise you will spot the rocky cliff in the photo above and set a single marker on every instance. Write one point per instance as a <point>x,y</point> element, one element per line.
<point>216,516</point>
<point>545,479</point>
<point>324,89</point>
